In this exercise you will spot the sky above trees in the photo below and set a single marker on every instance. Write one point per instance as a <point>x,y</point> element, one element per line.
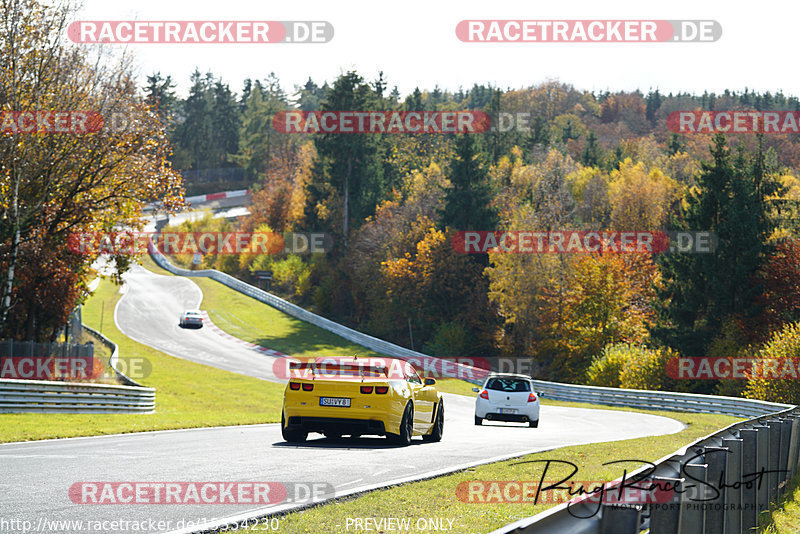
<point>416,42</point>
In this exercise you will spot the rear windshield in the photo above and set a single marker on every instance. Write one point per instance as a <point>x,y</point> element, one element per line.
<point>508,384</point>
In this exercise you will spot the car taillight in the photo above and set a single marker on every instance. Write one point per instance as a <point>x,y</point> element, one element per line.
<point>484,395</point>
<point>381,390</point>
<point>308,387</point>
<point>366,389</point>
<point>294,385</point>
<point>532,397</point>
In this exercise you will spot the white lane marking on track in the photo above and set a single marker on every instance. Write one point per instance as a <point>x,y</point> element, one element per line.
<point>348,483</point>
<point>19,456</point>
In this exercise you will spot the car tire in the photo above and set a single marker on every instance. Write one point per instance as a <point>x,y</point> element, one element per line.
<point>478,420</point>
<point>292,436</point>
<point>533,424</point>
<point>438,427</point>
<point>406,426</point>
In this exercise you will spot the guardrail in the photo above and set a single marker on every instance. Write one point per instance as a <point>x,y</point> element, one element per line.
<point>114,359</point>
<point>717,485</point>
<point>45,396</point>
<point>657,400</point>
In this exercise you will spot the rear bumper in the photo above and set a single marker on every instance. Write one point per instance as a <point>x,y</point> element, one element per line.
<point>491,411</point>
<point>508,417</point>
<point>336,424</point>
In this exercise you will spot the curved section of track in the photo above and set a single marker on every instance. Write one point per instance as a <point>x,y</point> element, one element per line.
<point>38,475</point>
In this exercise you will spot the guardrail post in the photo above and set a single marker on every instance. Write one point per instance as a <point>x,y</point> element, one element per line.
<point>716,459</point>
<point>665,518</point>
<point>762,464</point>
<point>620,519</point>
<point>783,465</point>
<point>693,505</point>
<point>750,493</point>
<point>774,457</point>
<point>793,447</point>
<point>733,481</point>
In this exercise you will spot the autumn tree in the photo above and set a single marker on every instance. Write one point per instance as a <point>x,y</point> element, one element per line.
<point>640,200</point>
<point>55,184</point>
<point>606,299</point>
<point>445,292</point>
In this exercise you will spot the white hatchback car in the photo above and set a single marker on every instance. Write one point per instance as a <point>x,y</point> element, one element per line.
<point>507,397</point>
<point>191,318</point>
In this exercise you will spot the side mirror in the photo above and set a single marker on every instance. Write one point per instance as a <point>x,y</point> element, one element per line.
<point>476,390</point>
<point>430,381</point>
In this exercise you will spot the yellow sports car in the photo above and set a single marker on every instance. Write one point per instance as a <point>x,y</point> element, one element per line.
<point>356,396</point>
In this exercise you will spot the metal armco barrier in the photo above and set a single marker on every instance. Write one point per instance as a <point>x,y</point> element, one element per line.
<point>45,396</point>
<point>657,400</point>
<point>724,482</point>
<point>114,359</point>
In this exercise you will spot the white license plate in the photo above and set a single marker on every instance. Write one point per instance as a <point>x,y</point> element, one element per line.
<point>334,401</point>
<point>508,410</point>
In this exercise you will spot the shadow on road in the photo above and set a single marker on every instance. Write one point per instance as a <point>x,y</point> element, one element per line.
<point>346,443</point>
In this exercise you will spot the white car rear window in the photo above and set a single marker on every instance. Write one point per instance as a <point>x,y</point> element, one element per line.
<point>509,385</point>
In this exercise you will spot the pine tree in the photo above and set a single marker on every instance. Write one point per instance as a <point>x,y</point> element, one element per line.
<point>705,290</point>
<point>592,152</point>
<point>414,101</point>
<point>349,165</point>
<point>159,95</point>
<point>653,100</point>
<point>468,202</point>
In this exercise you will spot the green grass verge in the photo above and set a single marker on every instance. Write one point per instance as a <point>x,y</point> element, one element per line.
<point>188,394</point>
<point>784,515</point>
<point>436,498</point>
<point>256,322</point>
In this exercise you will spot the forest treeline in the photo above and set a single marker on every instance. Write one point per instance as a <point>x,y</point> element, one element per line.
<point>581,161</point>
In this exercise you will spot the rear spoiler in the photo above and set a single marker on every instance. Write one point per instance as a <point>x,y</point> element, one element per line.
<point>325,368</point>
